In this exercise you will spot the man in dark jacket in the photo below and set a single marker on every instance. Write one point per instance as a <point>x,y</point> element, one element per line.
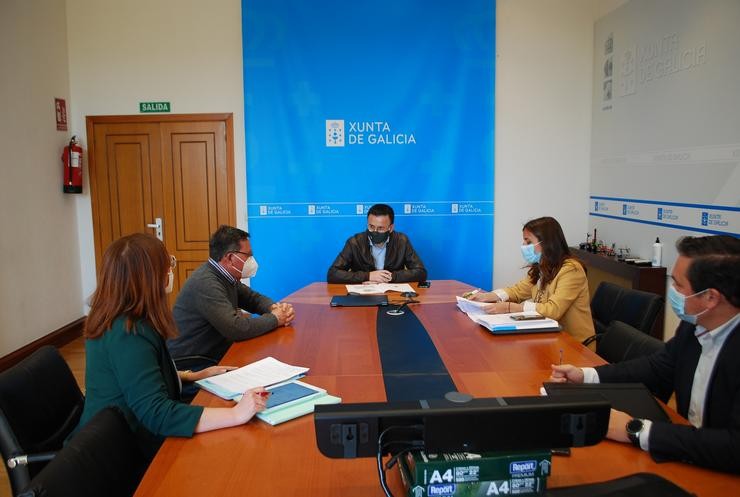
<point>378,255</point>
<point>700,363</point>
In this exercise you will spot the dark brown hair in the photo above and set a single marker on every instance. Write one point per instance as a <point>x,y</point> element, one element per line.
<point>553,246</point>
<point>226,239</point>
<point>132,283</point>
<point>715,263</point>
<point>381,210</point>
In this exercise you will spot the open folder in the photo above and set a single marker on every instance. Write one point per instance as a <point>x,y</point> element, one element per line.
<point>378,288</point>
<point>267,371</point>
<point>502,324</point>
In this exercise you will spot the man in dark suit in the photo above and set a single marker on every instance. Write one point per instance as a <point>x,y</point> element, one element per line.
<point>378,255</point>
<point>701,363</point>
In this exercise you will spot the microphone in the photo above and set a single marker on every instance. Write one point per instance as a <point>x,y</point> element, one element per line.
<point>399,310</point>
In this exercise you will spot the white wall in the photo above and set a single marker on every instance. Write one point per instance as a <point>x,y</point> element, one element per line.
<point>187,52</point>
<point>39,268</point>
<point>643,146</point>
<point>543,120</point>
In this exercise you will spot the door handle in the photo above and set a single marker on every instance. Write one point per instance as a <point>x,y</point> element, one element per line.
<point>157,227</point>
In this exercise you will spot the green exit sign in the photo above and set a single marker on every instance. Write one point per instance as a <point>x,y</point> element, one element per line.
<point>154,107</point>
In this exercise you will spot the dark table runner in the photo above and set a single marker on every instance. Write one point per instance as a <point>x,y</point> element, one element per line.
<point>412,367</point>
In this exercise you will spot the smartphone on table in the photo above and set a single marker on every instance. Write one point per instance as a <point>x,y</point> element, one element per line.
<point>527,317</point>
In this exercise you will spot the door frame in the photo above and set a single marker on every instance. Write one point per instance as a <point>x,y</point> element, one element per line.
<point>91,121</point>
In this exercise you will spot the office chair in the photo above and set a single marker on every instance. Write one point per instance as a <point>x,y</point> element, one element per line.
<point>40,404</point>
<point>604,304</point>
<point>613,303</point>
<point>103,458</point>
<point>638,309</point>
<point>195,363</point>
<point>622,342</point>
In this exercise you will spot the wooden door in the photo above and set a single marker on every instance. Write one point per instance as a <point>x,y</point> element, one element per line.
<point>178,168</point>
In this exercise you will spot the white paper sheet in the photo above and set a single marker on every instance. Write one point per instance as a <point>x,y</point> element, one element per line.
<point>471,306</point>
<point>475,312</point>
<point>379,288</point>
<point>267,371</point>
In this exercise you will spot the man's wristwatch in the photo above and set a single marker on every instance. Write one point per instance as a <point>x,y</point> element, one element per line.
<point>634,428</point>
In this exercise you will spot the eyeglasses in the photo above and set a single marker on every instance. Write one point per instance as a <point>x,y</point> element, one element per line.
<point>173,262</point>
<point>239,252</point>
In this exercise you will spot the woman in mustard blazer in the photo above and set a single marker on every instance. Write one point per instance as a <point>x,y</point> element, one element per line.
<point>555,285</point>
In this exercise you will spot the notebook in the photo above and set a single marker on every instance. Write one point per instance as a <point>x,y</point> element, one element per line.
<point>359,300</point>
<point>633,398</point>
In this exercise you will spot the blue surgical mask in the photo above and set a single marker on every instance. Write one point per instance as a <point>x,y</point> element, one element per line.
<point>530,256</point>
<point>678,304</point>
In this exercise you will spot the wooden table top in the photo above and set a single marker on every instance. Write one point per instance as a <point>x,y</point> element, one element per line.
<point>340,348</point>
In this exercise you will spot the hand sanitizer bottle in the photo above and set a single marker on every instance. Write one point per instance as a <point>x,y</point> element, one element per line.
<point>657,253</point>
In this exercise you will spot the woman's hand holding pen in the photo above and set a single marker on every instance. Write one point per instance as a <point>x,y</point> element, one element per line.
<point>252,402</point>
<point>479,296</point>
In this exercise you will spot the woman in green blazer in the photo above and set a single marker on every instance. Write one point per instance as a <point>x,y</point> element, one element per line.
<point>128,364</point>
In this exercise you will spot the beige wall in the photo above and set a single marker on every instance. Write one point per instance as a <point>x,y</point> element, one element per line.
<point>39,267</point>
<point>187,52</point>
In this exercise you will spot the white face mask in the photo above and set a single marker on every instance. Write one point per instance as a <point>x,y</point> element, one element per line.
<point>249,269</point>
<point>170,282</point>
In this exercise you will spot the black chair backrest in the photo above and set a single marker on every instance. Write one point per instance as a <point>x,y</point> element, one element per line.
<point>638,309</point>
<point>622,342</point>
<point>102,459</point>
<point>40,404</point>
<point>604,304</point>
<point>188,391</point>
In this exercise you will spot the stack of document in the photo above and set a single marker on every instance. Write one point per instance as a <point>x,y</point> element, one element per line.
<point>378,288</point>
<point>265,372</point>
<point>288,399</point>
<point>506,323</point>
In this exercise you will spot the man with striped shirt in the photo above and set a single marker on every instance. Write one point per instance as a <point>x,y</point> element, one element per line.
<point>215,309</point>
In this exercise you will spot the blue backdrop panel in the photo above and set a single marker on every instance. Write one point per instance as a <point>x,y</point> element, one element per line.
<point>352,103</point>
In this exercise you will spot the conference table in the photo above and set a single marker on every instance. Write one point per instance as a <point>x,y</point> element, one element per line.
<point>339,346</point>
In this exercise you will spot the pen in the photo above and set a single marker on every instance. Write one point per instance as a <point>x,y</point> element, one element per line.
<point>467,295</point>
<point>263,394</point>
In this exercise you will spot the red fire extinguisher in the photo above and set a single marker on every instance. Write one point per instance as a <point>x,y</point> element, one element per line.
<point>72,161</point>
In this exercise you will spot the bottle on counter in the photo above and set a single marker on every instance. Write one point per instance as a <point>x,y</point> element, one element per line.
<point>657,253</point>
<point>594,244</point>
